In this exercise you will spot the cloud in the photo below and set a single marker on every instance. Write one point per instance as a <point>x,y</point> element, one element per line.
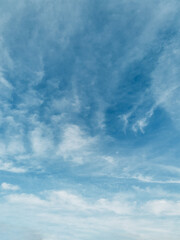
<point>82,217</point>
<point>25,199</point>
<point>141,123</point>
<point>5,82</point>
<point>9,167</point>
<point>8,186</point>
<point>15,147</point>
<point>115,206</point>
<point>170,168</point>
<point>40,141</point>
<point>66,201</point>
<point>75,145</point>
<point>149,179</point>
<point>109,159</point>
<point>163,207</point>
<point>155,192</point>
<point>165,80</point>
<point>12,146</point>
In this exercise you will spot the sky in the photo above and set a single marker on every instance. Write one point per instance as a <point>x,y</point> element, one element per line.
<point>89,120</point>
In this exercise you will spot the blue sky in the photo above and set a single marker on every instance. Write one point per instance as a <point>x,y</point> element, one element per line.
<point>89,120</point>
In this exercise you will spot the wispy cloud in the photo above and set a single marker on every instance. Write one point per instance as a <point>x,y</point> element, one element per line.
<point>9,167</point>
<point>149,179</point>
<point>76,145</point>
<point>41,142</point>
<point>8,186</point>
<point>4,82</point>
<point>163,207</point>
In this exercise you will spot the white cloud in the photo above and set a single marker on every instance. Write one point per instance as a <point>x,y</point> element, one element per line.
<point>76,144</point>
<point>156,192</point>
<point>69,201</point>
<point>41,141</point>
<point>8,186</point>
<point>163,207</point>
<point>66,201</point>
<point>149,179</point>
<point>2,149</point>
<point>140,124</point>
<point>109,159</point>
<point>5,82</point>
<point>83,217</point>
<point>30,98</point>
<point>15,147</point>
<point>25,199</point>
<point>74,139</point>
<point>125,119</point>
<point>9,167</point>
<point>116,206</point>
<point>165,80</point>
<point>170,168</point>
